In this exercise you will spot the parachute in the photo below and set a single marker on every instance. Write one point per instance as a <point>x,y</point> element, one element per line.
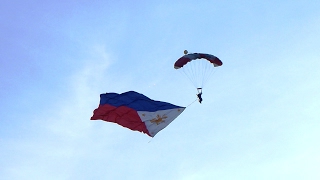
<point>198,67</point>
<point>136,112</point>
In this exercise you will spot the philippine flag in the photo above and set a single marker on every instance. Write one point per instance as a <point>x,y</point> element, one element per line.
<point>136,112</point>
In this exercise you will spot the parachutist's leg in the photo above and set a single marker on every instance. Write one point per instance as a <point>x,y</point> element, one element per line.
<point>199,97</point>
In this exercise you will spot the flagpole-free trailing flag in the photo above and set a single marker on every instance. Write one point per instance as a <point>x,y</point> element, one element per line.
<point>136,112</point>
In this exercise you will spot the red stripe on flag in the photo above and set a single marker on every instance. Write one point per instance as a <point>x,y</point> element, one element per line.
<point>122,115</point>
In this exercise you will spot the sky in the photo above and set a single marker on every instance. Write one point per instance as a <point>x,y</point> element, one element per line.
<point>260,113</point>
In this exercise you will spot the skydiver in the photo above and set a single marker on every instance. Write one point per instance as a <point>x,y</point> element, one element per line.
<point>199,97</point>
<point>199,94</point>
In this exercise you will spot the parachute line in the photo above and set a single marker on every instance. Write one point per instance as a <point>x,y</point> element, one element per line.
<point>198,67</point>
<point>198,72</point>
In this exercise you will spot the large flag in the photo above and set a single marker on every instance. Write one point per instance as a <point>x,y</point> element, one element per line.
<point>136,112</point>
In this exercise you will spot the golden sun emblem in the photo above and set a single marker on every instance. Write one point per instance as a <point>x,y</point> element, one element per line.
<point>159,119</point>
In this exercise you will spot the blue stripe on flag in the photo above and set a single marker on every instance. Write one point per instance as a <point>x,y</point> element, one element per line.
<point>136,101</point>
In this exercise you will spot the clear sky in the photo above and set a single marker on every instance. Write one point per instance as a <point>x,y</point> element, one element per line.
<point>260,114</point>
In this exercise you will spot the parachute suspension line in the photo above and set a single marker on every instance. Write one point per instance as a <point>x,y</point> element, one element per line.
<point>204,69</point>
<point>204,64</point>
<point>198,72</point>
<point>209,70</point>
<point>190,71</point>
<point>189,76</point>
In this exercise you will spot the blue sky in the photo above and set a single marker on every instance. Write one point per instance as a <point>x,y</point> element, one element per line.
<point>260,114</point>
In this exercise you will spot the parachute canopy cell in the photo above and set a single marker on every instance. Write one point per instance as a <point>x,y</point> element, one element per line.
<point>136,112</point>
<point>194,56</point>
